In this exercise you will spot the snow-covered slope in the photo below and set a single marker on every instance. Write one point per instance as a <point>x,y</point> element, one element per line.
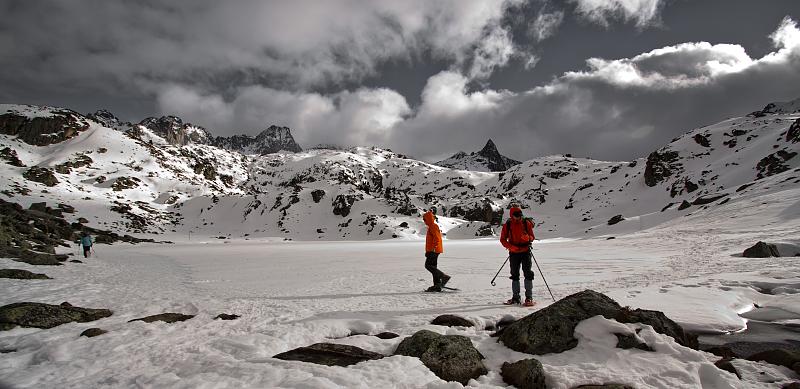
<point>488,159</point>
<point>141,182</point>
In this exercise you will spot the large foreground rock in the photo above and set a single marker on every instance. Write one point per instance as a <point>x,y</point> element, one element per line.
<point>550,330</point>
<point>41,315</point>
<point>761,250</point>
<point>450,357</point>
<point>329,354</point>
<point>524,374</point>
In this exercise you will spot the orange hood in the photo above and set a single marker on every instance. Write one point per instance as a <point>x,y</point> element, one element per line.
<point>428,218</point>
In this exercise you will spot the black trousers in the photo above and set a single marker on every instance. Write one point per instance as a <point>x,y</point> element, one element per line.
<point>431,258</point>
<point>522,260</point>
<point>86,250</point>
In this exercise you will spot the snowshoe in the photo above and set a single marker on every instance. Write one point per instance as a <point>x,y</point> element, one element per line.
<point>512,301</point>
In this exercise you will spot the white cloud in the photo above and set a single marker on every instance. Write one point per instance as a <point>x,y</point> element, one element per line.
<point>493,51</point>
<point>364,116</point>
<point>642,12</point>
<point>545,25</point>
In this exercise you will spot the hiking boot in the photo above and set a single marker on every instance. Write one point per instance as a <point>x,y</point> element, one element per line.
<point>445,278</point>
<point>512,301</point>
<point>434,288</point>
<point>529,303</point>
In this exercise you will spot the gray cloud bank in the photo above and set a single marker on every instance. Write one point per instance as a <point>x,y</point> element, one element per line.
<point>236,67</point>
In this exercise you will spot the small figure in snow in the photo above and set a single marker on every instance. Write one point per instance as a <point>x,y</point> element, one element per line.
<point>517,237</point>
<point>86,243</point>
<point>433,247</point>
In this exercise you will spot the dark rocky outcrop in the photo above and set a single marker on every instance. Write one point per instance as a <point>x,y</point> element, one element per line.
<point>551,329</point>
<point>22,275</point>
<point>225,316</point>
<point>685,204</point>
<point>125,183</point>
<point>793,135</point>
<point>778,357</point>
<point>167,317</point>
<point>701,140</point>
<point>761,250</point>
<point>343,202</point>
<point>707,200</point>
<point>92,332</point>
<point>450,357</point>
<point>386,335</point>
<point>41,175</point>
<point>39,315</point>
<point>774,163</point>
<point>10,156</point>
<point>30,235</point>
<point>329,354</point>
<point>616,219</point>
<point>317,195</point>
<point>660,166</point>
<point>524,374</point>
<point>452,321</point>
<point>483,210</point>
<point>58,126</point>
<point>629,341</point>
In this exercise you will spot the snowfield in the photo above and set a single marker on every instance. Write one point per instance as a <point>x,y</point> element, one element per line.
<point>291,294</point>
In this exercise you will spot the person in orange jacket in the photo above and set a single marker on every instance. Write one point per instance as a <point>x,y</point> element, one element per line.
<point>517,237</point>
<point>433,247</point>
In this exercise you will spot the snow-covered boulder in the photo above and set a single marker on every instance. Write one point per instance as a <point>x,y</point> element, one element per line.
<point>551,330</point>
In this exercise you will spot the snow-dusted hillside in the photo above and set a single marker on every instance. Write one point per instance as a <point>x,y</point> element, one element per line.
<point>138,181</point>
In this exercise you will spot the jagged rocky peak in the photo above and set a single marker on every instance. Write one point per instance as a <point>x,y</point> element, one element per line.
<point>487,159</point>
<point>175,131</point>
<point>104,117</point>
<point>270,140</point>
<point>779,108</point>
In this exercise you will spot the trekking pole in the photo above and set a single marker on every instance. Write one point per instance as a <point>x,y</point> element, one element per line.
<point>498,271</point>
<point>545,280</point>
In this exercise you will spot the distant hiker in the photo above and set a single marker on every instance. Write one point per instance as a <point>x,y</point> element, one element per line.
<point>517,236</point>
<point>86,242</point>
<point>433,247</point>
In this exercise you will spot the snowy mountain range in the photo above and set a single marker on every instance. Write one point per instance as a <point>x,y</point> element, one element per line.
<point>164,176</point>
<point>488,159</point>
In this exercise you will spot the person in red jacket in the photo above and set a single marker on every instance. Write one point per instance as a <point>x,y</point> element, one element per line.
<point>433,247</point>
<point>517,237</point>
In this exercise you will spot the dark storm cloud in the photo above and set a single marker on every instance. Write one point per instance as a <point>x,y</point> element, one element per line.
<point>423,78</point>
<point>138,47</point>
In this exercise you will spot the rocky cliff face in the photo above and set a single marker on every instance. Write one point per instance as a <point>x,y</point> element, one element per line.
<point>174,131</point>
<point>271,140</point>
<point>41,126</point>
